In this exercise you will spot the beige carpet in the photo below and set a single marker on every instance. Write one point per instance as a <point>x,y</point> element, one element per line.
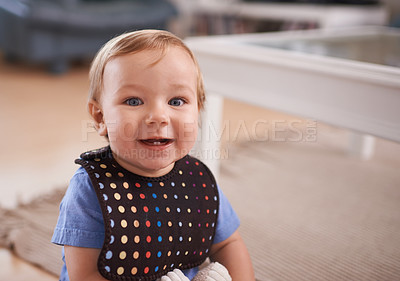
<point>311,212</point>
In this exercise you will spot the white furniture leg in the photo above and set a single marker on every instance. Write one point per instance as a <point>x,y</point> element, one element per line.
<point>361,145</point>
<point>208,146</point>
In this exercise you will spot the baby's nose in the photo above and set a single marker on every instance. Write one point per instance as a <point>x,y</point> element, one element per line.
<point>157,115</point>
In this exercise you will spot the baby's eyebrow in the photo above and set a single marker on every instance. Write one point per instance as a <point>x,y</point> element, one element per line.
<point>182,87</point>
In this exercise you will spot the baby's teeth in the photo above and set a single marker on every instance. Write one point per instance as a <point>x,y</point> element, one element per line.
<point>157,143</point>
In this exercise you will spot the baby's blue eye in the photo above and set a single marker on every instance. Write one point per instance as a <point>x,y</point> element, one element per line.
<point>176,102</point>
<point>134,102</point>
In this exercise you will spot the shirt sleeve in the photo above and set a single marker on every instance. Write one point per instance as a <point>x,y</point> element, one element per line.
<point>228,221</point>
<point>80,222</point>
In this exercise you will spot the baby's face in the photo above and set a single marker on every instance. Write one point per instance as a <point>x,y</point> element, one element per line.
<point>150,110</point>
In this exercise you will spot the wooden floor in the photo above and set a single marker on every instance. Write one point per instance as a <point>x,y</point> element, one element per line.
<point>15,269</point>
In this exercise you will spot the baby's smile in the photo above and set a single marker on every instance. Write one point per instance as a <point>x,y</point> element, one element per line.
<point>156,142</point>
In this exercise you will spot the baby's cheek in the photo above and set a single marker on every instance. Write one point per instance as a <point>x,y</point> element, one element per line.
<point>129,131</point>
<point>122,131</point>
<point>188,131</point>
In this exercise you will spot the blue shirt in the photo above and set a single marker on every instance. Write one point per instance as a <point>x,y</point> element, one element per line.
<point>80,222</point>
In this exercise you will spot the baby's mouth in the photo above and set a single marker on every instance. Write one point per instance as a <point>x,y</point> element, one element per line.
<point>156,142</point>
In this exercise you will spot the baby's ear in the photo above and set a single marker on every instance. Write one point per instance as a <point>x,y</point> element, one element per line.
<point>97,114</point>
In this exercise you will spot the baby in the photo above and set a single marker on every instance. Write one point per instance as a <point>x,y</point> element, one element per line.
<point>142,208</point>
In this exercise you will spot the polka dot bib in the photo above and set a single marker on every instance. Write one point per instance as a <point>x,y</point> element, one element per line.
<point>152,225</point>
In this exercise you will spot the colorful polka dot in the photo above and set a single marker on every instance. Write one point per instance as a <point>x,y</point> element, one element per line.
<point>122,255</point>
<point>120,270</point>
<point>124,239</point>
<point>124,223</point>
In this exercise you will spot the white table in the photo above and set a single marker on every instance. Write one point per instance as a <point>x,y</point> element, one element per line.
<point>314,74</point>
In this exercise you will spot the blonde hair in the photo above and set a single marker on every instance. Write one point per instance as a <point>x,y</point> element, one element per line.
<point>133,42</point>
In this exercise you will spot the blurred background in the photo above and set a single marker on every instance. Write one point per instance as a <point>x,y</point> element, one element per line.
<point>310,209</point>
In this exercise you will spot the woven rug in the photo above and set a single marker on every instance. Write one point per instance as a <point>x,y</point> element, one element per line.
<point>308,212</point>
<point>27,231</point>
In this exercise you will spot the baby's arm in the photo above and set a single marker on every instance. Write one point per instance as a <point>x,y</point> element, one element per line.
<point>233,254</point>
<point>82,263</point>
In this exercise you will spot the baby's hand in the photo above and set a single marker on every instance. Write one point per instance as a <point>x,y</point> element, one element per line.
<point>175,275</point>
<point>213,272</point>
